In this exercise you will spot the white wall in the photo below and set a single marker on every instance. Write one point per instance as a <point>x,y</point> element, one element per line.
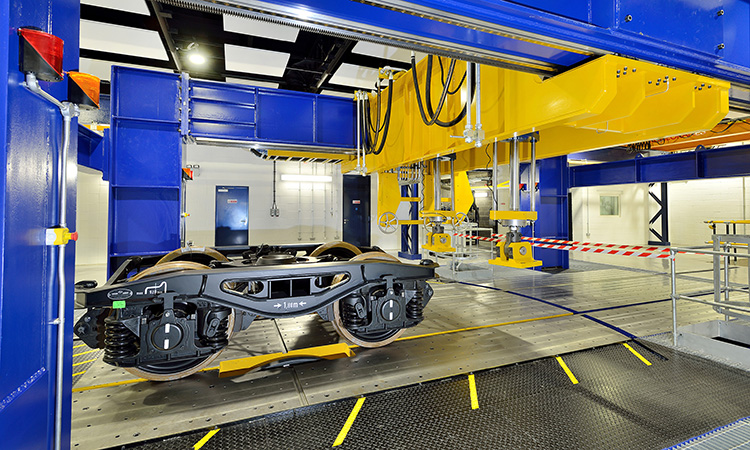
<point>630,227</point>
<point>389,242</point>
<point>309,212</point>
<point>91,217</point>
<point>690,204</point>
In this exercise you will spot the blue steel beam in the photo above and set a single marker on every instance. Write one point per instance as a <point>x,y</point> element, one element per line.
<point>717,163</point>
<point>710,37</point>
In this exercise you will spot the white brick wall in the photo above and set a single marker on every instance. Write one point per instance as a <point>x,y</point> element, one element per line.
<point>690,204</point>
<point>91,217</point>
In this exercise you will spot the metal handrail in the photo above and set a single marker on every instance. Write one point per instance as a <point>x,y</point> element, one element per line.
<point>673,251</point>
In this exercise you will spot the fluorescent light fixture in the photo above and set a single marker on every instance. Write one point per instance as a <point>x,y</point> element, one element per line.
<point>307,178</point>
<point>480,194</point>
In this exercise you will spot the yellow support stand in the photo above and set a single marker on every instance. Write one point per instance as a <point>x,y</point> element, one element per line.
<point>241,366</point>
<point>522,256</point>
<point>439,243</point>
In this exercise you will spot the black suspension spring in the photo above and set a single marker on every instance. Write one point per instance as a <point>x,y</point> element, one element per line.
<point>415,308</point>
<point>349,315</point>
<point>119,341</point>
<point>216,329</point>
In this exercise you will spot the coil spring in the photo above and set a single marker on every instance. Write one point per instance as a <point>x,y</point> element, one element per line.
<point>119,341</point>
<point>349,316</point>
<point>220,337</point>
<point>415,308</point>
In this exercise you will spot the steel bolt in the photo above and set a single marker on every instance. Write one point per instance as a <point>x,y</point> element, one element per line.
<point>649,81</point>
<point>633,69</point>
<point>720,46</point>
<point>674,78</point>
<point>628,18</point>
<point>720,13</point>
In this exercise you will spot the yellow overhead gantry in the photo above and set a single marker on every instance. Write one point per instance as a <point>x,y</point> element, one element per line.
<point>606,102</point>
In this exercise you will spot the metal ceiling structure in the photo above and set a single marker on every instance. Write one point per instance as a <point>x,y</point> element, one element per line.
<point>313,58</point>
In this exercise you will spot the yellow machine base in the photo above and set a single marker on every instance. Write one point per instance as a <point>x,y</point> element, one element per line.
<point>513,215</point>
<point>439,243</point>
<point>522,256</point>
<point>241,366</point>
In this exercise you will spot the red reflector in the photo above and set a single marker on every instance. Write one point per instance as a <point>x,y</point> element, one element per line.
<point>46,57</point>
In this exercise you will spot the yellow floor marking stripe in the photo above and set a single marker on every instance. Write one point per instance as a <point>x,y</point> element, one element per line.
<point>84,362</point>
<point>473,392</point>
<point>79,373</point>
<point>116,383</point>
<point>479,327</point>
<point>205,439</point>
<point>565,368</point>
<point>124,382</point>
<point>79,346</point>
<point>349,422</point>
<point>86,353</point>
<point>638,355</point>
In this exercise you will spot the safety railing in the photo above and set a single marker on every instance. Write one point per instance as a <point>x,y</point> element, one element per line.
<point>720,252</point>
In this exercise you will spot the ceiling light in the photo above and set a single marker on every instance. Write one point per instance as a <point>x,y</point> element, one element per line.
<point>197,58</point>
<point>307,178</point>
<point>480,194</point>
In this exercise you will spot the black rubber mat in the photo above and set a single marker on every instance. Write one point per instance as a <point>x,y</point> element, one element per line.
<point>619,403</point>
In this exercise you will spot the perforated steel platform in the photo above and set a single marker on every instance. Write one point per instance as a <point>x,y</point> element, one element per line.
<point>619,402</point>
<point>519,315</point>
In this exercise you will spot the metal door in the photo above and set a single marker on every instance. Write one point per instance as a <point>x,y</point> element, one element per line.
<point>232,211</point>
<point>357,210</point>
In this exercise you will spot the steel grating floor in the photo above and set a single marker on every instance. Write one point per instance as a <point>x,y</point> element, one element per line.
<point>619,403</point>
<point>526,315</point>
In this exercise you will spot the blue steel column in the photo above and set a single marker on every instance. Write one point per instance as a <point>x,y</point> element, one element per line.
<point>410,233</point>
<point>552,208</point>
<point>31,131</point>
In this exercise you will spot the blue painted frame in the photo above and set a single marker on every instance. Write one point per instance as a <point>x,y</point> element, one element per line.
<point>716,163</point>
<point>31,133</point>
<point>633,28</point>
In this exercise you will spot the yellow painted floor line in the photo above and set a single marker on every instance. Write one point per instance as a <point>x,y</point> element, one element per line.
<point>473,392</point>
<point>79,346</point>
<point>638,355</point>
<point>567,371</point>
<point>86,352</point>
<point>205,439</point>
<point>84,362</point>
<point>78,373</point>
<point>116,383</point>
<point>349,422</point>
<point>479,327</point>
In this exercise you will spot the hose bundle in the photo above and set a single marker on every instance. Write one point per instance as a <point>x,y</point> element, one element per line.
<point>430,117</point>
<point>370,142</point>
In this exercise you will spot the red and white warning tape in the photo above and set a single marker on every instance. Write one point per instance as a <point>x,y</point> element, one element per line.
<point>603,251</point>
<point>479,238</point>
<point>587,247</point>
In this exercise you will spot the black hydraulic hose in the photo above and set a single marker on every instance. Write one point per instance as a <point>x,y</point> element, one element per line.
<point>446,85</point>
<point>370,142</point>
<point>387,118</point>
<point>443,96</point>
<point>442,78</point>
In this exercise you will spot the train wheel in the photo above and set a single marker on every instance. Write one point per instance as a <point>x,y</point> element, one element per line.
<point>339,249</point>
<point>174,370</point>
<point>368,340</point>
